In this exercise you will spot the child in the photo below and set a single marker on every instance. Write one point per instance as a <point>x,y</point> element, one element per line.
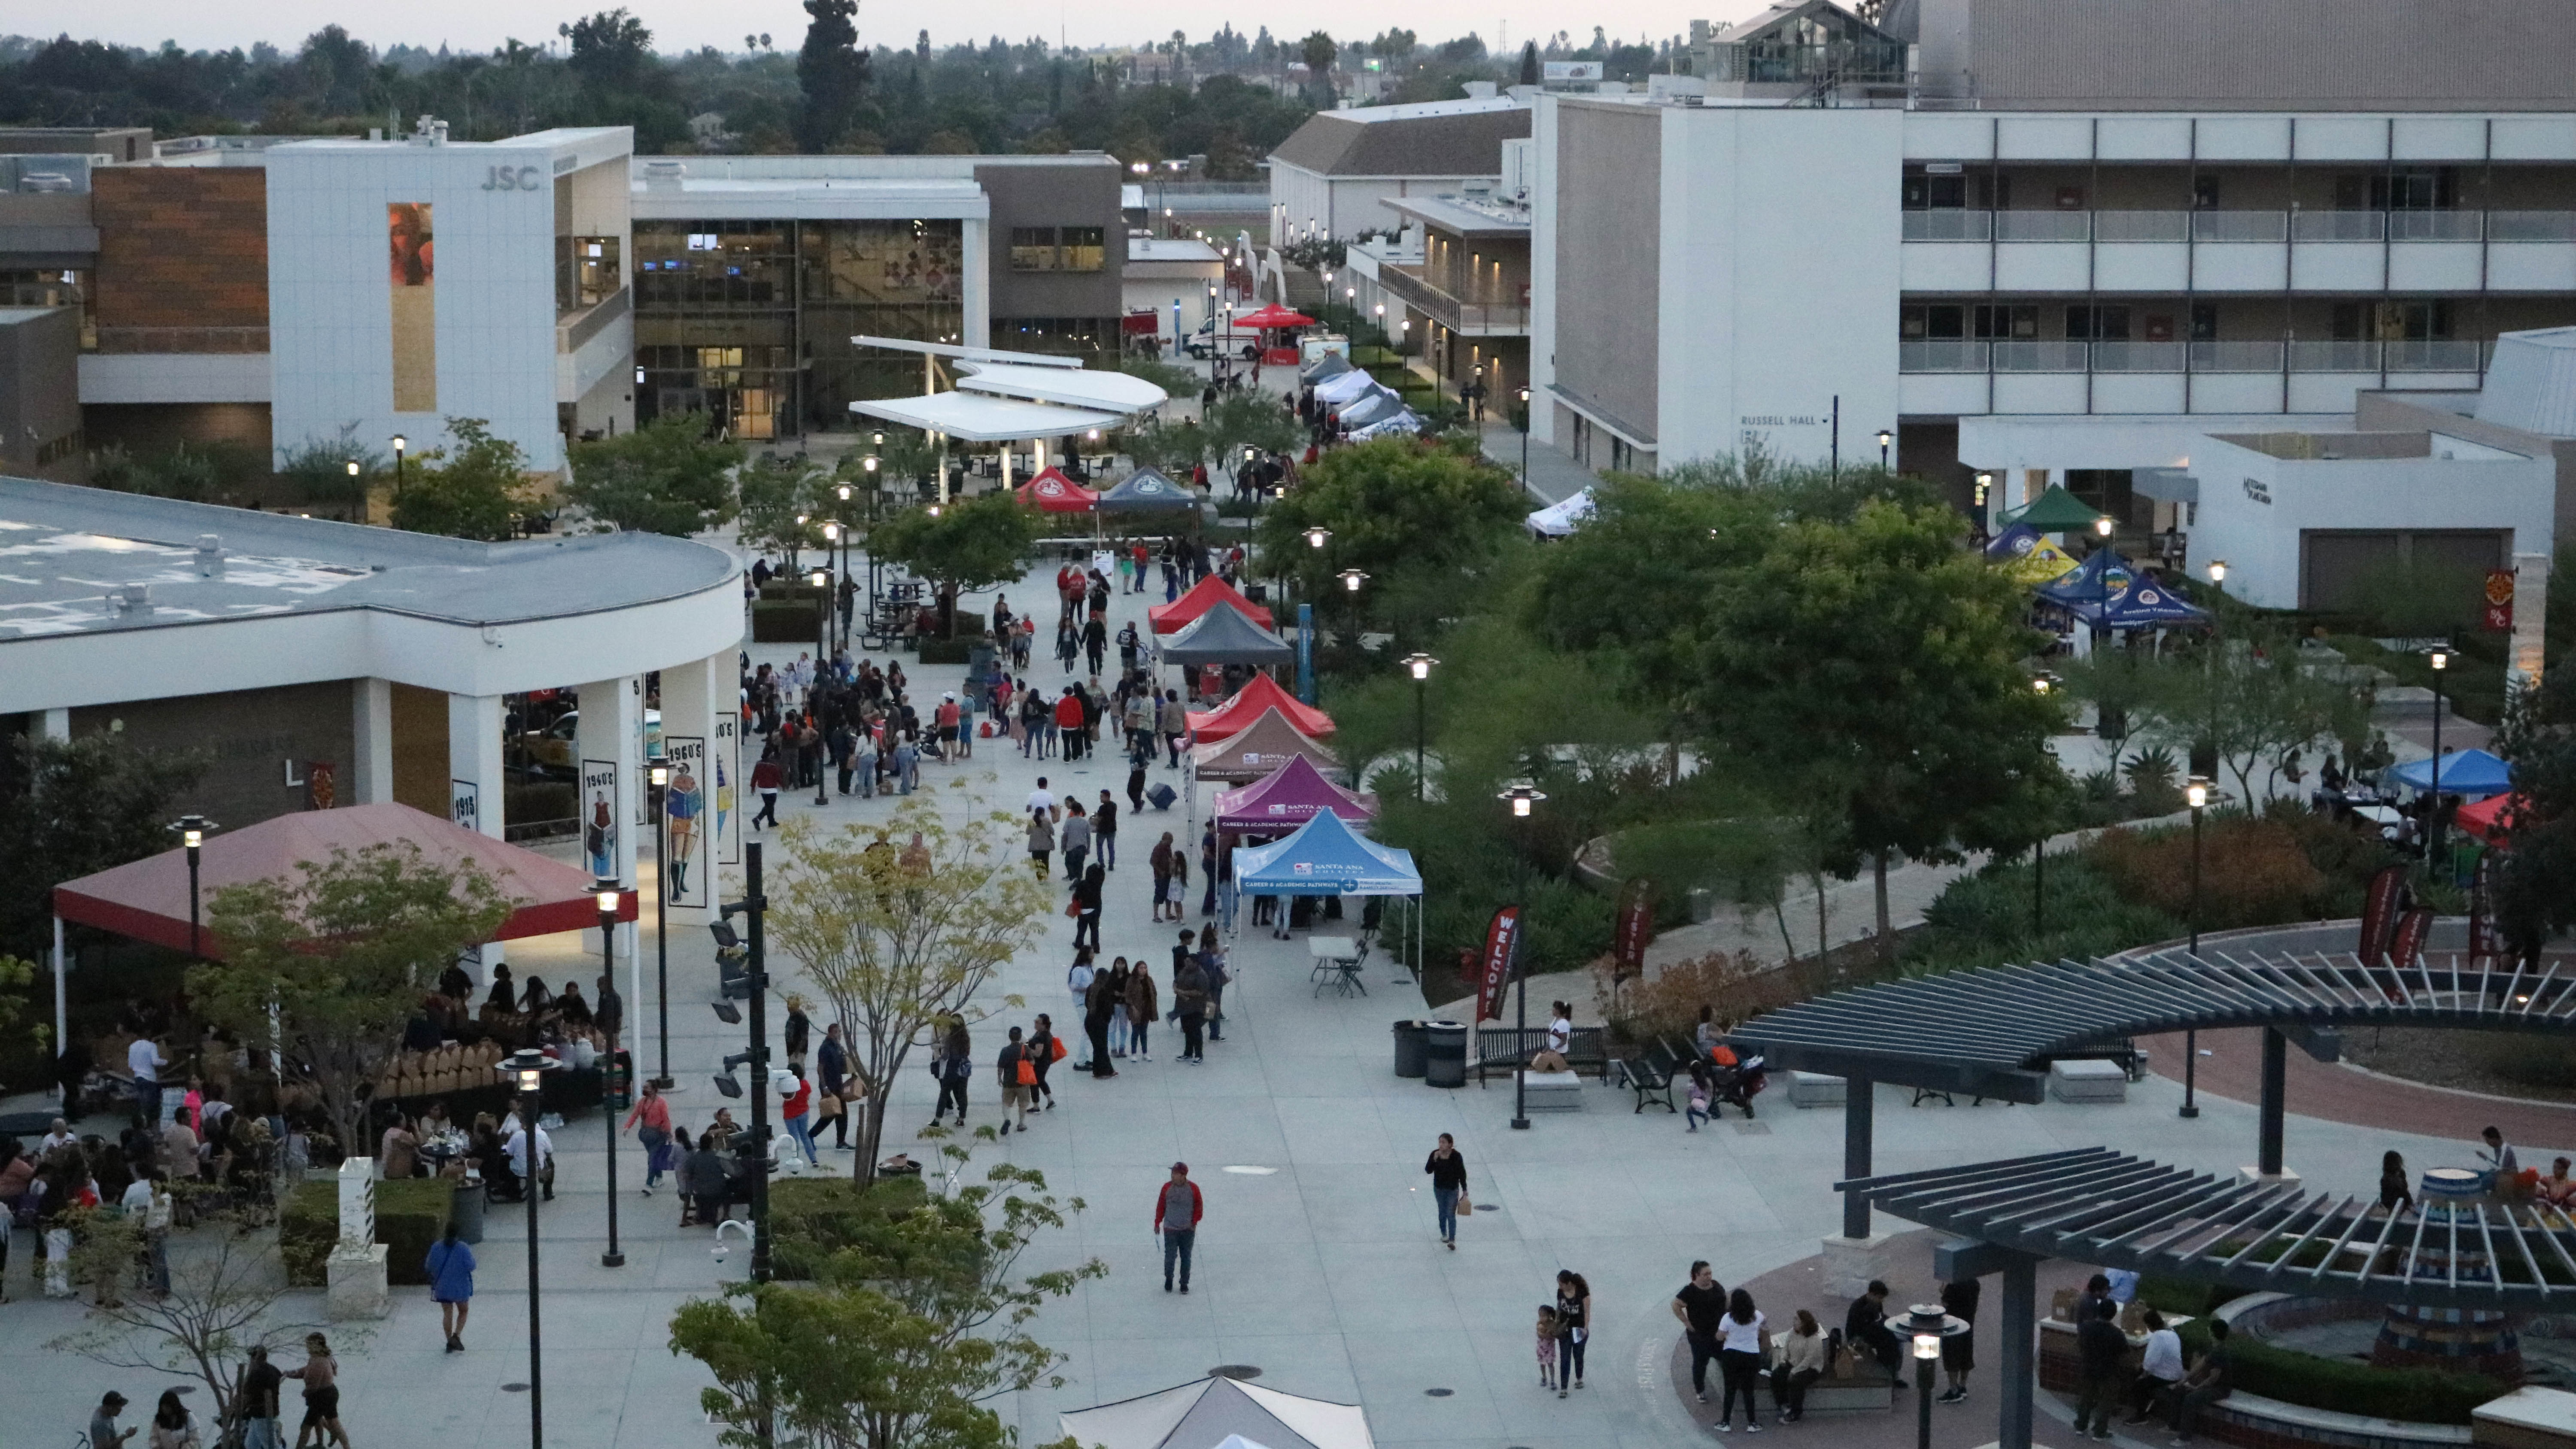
<point>1697,1112</point>
<point>1548,1329</point>
<point>1177,894</point>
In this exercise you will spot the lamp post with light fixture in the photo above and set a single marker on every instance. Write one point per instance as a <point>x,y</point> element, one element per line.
<point>1927,1352</point>
<point>526,1070</point>
<point>2196,794</point>
<point>1525,432</point>
<point>2440,659</point>
<point>822,579</point>
<point>1351,581</point>
<point>400,444</point>
<point>660,776</point>
<point>1419,666</point>
<point>831,547</point>
<point>607,892</point>
<point>1523,799</point>
<point>192,831</point>
<point>2043,685</point>
<point>1984,490</point>
<point>1885,438</point>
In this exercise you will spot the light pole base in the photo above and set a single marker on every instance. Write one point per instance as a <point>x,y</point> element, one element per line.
<point>1520,1124</point>
<point>2188,1110</point>
<point>612,1260</point>
<point>661,1084</point>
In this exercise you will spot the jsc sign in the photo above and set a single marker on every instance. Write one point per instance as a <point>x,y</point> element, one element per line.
<point>511,178</point>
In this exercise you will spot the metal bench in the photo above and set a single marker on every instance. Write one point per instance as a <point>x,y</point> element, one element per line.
<point>1503,1048</point>
<point>1650,1073</point>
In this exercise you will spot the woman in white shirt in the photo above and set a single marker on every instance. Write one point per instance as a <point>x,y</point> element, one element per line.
<point>1797,1360</point>
<point>1743,1339</point>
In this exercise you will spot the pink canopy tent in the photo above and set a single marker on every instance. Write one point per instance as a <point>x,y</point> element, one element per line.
<point>1288,797</point>
<point>147,899</point>
<point>1206,594</point>
<point>1256,698</point>
<point>1259,751</point>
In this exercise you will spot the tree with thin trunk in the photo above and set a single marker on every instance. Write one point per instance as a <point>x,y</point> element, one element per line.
<point>338,956</point>
<point>900,924</point>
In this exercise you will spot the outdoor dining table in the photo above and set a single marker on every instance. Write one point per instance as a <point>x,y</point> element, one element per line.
<point>1337,963</point>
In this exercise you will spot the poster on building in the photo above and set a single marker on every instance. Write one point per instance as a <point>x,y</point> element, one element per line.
<point>2497,613</point>
<point>599,823</point>
<point>465,803</point>
<point>413,276</point>
<point>684,813</point>
<point>724,767</point>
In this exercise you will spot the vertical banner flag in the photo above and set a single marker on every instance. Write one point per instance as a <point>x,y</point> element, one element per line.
<point>684,813</point>
<point>2379,914</point>
<point>1502,955</point>
<point>1635,928</point>
<point>2485,946</point>
<point>413,276</point>
<point>725,762</point>
<point>2412,928</point>
<point>2498,610</point>
<point>599,823</point>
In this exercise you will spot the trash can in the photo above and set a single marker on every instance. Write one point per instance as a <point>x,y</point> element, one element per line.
<point>1411,1048</point>
<point>1445,1054</point>
<point>467,1212</point>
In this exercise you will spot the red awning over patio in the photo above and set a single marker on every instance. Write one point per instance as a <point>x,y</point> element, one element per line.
<point>148,899</point>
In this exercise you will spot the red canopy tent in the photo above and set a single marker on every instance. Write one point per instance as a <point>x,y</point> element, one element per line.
<point>1274,317</point>
<point>1263,693</point>
<point>2490,819</point>
<point>1052,492</point>
<point>147,899</point>
<point>1204,595</point>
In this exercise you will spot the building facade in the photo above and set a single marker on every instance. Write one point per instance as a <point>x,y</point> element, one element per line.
<point>1334,174</point>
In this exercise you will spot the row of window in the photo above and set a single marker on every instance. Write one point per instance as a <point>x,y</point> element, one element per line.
<point>780,263</point>
<point>2393,319</point>
<point>2427,190</point>
<point>1059,248</point>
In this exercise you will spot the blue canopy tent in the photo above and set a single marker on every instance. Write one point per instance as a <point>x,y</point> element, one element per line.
<point>2013,542</point>
<point>1326,857</point>
<point>2103,572</point>
<point>2142,605</point>
<point>2472,774</point>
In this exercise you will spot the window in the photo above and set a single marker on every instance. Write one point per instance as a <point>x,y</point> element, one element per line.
<point>2393,320</point>
<point>2001,321</point>
<point>1033,249</point>
<point>2097,323</point>
<point>1085,248</point>
<point>2433,190</point>
<point>1935,193</point>
<point>2204,193</point>
<point>2204,321</point>
<point>1934,319</point>
<point>587,270</point>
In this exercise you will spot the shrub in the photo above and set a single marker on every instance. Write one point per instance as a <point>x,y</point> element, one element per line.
<point>2252,872</point>
<point>782,621</point>
<point>810,1218</point>
<point>946,651</point>
<point>2151,782</point>
<point>410,1215</point>
<point>1985,919</point>
<point>2414,1395</point>
<point>1666,1003</point>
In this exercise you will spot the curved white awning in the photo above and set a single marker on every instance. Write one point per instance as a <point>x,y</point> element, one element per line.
<point>1084,387</point>
<point>982,418</point>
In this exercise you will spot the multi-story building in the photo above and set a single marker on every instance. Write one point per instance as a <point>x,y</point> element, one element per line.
<point>1333,174</point>
<point>2074,240</point>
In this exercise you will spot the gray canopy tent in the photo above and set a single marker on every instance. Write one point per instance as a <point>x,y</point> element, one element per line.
<point>1147,491</point>
<point>1210,1412</point>
<point>1224,636</point>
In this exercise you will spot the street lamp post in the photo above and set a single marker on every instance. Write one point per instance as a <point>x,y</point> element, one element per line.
<point>2196,794</point>
<point>1885,438</point>
<point>1420,666</point>
<point>526,1070</point>
<point>1985,489</point>
<point>2041,685</point>
<point>1351,581</point>
<point>400,444</point>
<point>754,907</point>
<point>831,586</point>
<point>607,892</point>
<point>660,775</point>
<point>822,580</point>
<point>2440,659</point>
<point>1927,1352</point>
<point>1523,799</point>
<point>192,831</point>
<point>1525,432</point>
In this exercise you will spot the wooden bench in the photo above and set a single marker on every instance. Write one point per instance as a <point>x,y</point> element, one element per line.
<point>1503,1048</point>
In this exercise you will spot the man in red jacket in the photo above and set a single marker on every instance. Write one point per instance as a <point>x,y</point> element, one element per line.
<point>1177,1210</point>
<point>1068,723</point>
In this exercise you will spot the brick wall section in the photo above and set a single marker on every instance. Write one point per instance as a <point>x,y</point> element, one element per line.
<point>181,246</point>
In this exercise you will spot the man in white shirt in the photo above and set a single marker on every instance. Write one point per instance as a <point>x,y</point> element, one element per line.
<point>516,1147</point>
<point>143,1060</point>
<point>2160,1370</point>
<point>59,1135</point>
<point>1042,798</point>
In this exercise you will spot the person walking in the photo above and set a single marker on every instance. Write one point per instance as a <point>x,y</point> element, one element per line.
<point>2101,1350</point>
<point>1959,1350</point>
<point>1211,959</point>
<point>1743,1342</point>
<point>1044,1052</point>
<point>1018,1075</point>
<point>799,1030</point>
<point>1448,1169</point>
<point>1087,893</point>
<point>1144,1006</point>
<point>650,1121</point>
<point>1041,841</point>
<point>766,777</point>
<point>450,1266</point>
<point>1207,868</point>
<point>795,1109</point>
<point>1178,1207</point>
<point>256,1402</point>
<point>954,1062</point>
<point>832,1068</point>
<point>1161,863</point>
<point>1074,838</point>
<point>1797,1361</point>
<point>1099,1004</point>
<point>1189,1003</point>
<point>321,1375</point>
<point>1078,980</point>
<point>1104,830</point>
<point>1574,1314</point>
<point>1173,721</point>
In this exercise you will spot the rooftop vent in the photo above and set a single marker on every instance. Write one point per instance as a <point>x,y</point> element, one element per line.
<point>210,556</point>
<point>134,599</point>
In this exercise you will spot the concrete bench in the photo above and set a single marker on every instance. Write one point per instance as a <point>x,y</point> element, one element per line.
<point>1552,1091</point>
<point>1860,1394</point>
<point>2088,1080</point>
<point>2528,1418</point>
<point>1815,1089</point>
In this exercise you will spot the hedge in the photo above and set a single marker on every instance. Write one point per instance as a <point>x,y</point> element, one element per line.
<point>811,1217</point>
<point>410,1215</point>
<point>782,622</point>
<point>2413,1395</point>
<point>946,651</point>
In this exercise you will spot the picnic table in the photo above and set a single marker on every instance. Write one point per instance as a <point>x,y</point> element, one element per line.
<point>1337,963</point>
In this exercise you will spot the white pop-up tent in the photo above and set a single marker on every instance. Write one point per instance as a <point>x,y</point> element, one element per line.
<point>1559,519</point>
<point>1215,1413</point>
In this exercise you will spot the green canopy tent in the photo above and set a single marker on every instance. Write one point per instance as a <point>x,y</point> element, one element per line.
<point>2055,511</point>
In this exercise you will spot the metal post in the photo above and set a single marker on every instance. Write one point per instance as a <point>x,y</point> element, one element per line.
<point>1836,442</point>
<point>2276,1073</point>
<point>2020,1315</point>
<point>1520,1048</point>
<point>2191,1039</point>
<point>1859,1099</point>
<point>2433,811</point>
<point>661,934</point>
<point>195,949</point>
<point>608,1097</point>
<point>2038,886</point>
<point>756,959</point>
<point>528,1105</point>
<point>1922,1399</point>
<point>1421,693</point>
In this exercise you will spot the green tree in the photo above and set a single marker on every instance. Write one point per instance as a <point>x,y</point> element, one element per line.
<point>972,543</point>
<point>667,476</point>
<point>70,808</point>
<point>904,1336</point>
<point>1529,63</point>
<point>341,952</point>
<point>1317,50</point>
<point>1248,420</point>
<point>832,71</point>
<point>1394,507</point>
<point>2534,884</point>
<point>320,468</point>
<point>1880,661</point>
<point>897,944</point>
<point>783,503</point>
<point>2243,701</point>
<point>472,491</point>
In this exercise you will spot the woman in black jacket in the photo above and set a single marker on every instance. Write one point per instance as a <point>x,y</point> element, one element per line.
<point>1448,1169</point>
<point>1086,903</point>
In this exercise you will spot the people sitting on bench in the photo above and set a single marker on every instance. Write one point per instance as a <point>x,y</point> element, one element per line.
<point>1550,1057</point>
<point>1865,1328</point>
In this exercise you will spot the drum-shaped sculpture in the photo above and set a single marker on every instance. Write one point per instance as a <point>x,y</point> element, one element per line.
<point>2460,1340</point>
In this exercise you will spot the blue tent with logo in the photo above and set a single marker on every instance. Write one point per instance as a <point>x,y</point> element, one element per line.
<point>2144,604</point>
<point>2472,773</point>
<point>1326,857</point>
<point>2013,542</point>
<point>2102,573</point>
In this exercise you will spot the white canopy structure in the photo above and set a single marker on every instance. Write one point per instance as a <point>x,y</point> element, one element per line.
<point>1114,392</point>
<point>1559,519</point>
<point>1009,397</point>
<point>980,417</point>
<point>1215,1413</point>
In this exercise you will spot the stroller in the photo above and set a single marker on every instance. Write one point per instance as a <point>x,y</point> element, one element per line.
<point>1735,1083</point>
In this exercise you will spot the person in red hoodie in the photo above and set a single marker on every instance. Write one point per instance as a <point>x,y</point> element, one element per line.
<point>766,778</point>
<point>1177,1210</point>
<point>1068,723</point>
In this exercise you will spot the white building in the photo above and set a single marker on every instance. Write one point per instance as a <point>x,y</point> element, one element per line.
<point>1331,175</point>
<point>1171,277</point>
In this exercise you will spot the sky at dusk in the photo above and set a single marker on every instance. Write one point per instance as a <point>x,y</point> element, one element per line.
<point>483,24</point>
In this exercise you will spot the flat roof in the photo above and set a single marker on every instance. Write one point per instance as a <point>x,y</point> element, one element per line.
<point>1170,249</point>
<point>1459,217</point>
<point>801,197</point>
<point>983,418</point>
<point>67,553</point>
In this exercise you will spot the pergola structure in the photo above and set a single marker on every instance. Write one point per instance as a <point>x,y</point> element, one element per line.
<point>1007,397</point>
<point>1993,1032</point>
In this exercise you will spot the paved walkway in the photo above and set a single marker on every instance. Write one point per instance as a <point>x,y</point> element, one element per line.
<point>2231,1067</point>
<point>1552,476</point>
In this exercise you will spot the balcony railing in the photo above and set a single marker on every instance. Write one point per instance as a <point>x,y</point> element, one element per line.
<point>1452,312</point>
<point>1955,355</point>
<point>2240,226</point>
<point>182,339</point>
